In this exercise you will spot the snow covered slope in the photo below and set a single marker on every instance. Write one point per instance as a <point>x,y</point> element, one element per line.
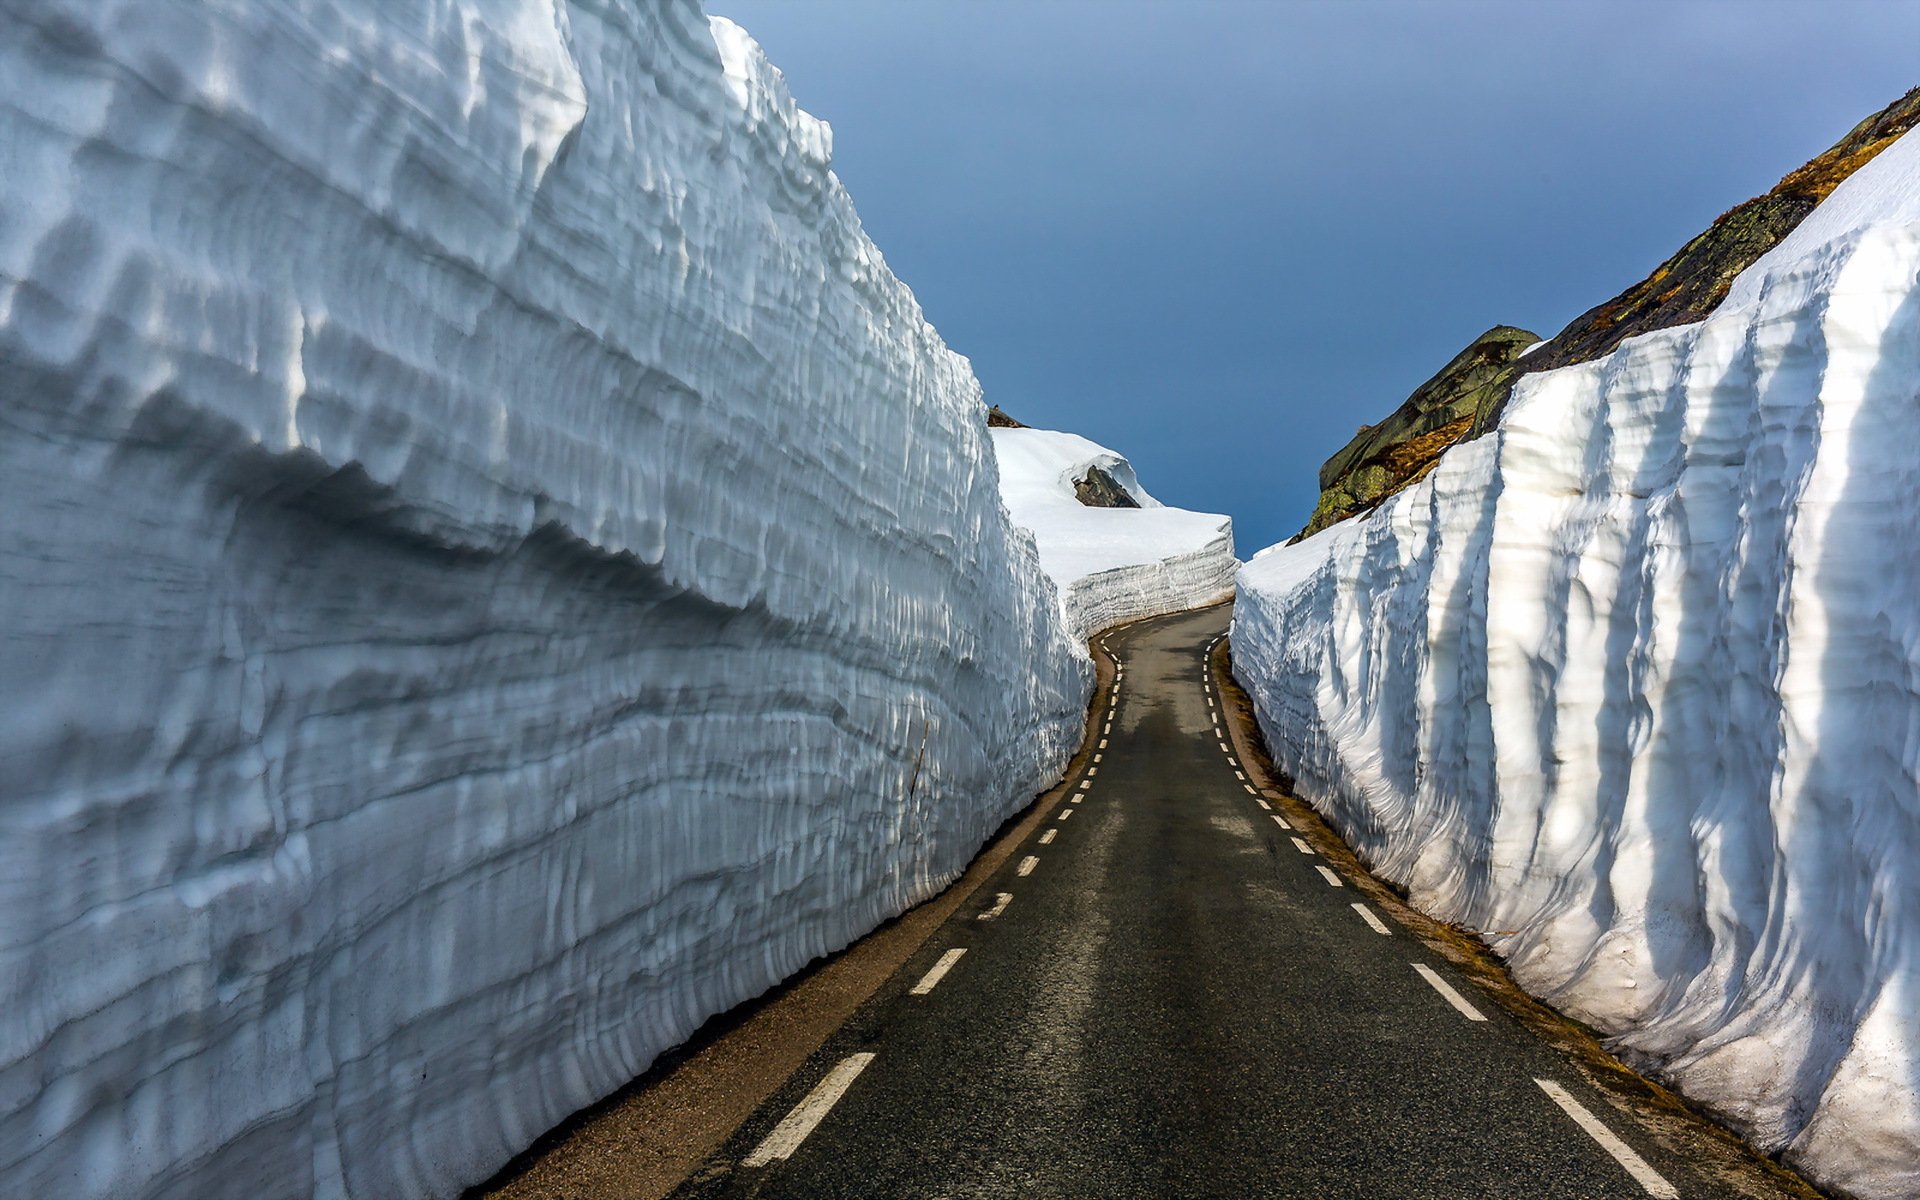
<point>1640,680</point>
<point>495,570</point>
<point>1110,564</point>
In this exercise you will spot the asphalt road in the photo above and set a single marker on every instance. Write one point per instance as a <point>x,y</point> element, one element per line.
<point>1163,994</point>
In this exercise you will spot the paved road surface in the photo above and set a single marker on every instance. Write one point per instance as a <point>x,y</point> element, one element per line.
<point>1163,994</point>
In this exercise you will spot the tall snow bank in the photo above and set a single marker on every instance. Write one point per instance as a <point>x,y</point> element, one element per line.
<point>1635,688</point>
<point>495,570</point>
<point>1110,565</point>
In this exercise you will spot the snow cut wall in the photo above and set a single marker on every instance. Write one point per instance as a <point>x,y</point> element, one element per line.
<point>1110,565</point>
<point>495,571</point>
<point>1639,678</point>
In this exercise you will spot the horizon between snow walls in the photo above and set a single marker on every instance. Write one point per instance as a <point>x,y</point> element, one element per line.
<point>497,571</point>
<point>1109,565</point>
<point>1632,688</point>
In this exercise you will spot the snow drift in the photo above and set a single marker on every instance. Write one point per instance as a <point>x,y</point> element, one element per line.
<point>1639,678</point>
<point>1110,565</point>
<point>495,570</point>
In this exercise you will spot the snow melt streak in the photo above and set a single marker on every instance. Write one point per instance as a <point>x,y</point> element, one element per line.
<point>496,570</point>
<point>1641,682</point>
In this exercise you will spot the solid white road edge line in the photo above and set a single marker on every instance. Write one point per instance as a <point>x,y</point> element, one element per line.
<point>999,906</point>
<point>1644,1175</point>
<point>1048,836</point>
<point>1379,926</point>
<point>1332,879</point>
<point>1027,865</point>
<point>1446,990</point>
<point>932,978</point>
<point>796,1125</point>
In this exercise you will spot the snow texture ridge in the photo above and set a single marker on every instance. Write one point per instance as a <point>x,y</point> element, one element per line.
<point>1111,565</point>
<point>1634,689</point>
<point>496,570</point>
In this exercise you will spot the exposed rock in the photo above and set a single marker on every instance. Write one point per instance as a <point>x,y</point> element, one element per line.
<point>1381,459</point>
<point>1097,489</point>
<point>998,419</point>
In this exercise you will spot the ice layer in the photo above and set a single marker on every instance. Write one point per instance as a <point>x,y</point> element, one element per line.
<point>495,570</point>
<point>1633,688</point>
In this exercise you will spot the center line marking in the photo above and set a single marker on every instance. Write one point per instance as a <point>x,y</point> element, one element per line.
<point>1379,926</point>
<point>1644,1175</point>
<point>1446,990</point>
<point>1048,836</point>
<point>999,906</point>
<point>1332,879</point>
<point>1301,845</point>
<point>796,1125</point>
<point>1281,821</point>
<point>933,977</point>
<point>1027,865</point>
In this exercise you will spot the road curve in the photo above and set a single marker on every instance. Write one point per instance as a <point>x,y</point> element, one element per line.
<point>1168,991</point>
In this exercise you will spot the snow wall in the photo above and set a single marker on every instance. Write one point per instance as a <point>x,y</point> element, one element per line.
<point>495,571</point>
<point>1111,565</point>
<point>1639,678</point>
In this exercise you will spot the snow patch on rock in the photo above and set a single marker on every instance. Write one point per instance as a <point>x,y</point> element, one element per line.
<point>495,571</point>
<point>1111,565</point>
<point>1639,679</point>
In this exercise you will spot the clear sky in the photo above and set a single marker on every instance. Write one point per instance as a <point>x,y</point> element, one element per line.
<point>1219,236</point>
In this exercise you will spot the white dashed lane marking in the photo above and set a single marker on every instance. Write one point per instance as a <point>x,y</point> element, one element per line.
<point>1027,865</point>
<point>1301,845</point>
<point>932,978</point>
<point>1447,993</point>
<point>1332,879</point>
<point>1048,836</point>
<point>1281,821</point>
<point>796,1125</point>
<point>1001,900</point>
<point>1065,813</point>
<point>1378,926</point>
<point>1650,1180</point>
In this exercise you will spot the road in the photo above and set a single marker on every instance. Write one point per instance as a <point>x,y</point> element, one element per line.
<point>1168,991</point>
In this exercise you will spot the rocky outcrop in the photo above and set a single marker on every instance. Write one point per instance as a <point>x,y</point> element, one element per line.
<point>1381,459</point>
<point>1384,458</point>
<point>1098,489</point>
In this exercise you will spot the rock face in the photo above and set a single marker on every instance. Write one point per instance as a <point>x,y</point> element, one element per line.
<point>1399,451</point>
<point>495,570</point>
<point>1384,458</point>
<point>1097,489</point>
<point>1632,686</point>
<point>1129,558</point>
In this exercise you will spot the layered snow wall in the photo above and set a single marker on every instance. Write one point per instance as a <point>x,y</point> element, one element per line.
<point>1634,689</point>
<point>495,571</point>
<point>1111,565</point>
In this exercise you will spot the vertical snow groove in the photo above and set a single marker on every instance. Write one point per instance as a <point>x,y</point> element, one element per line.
<point>1634,688</point>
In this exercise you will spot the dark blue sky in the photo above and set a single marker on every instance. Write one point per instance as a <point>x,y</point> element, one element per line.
<point>1220,236</point>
